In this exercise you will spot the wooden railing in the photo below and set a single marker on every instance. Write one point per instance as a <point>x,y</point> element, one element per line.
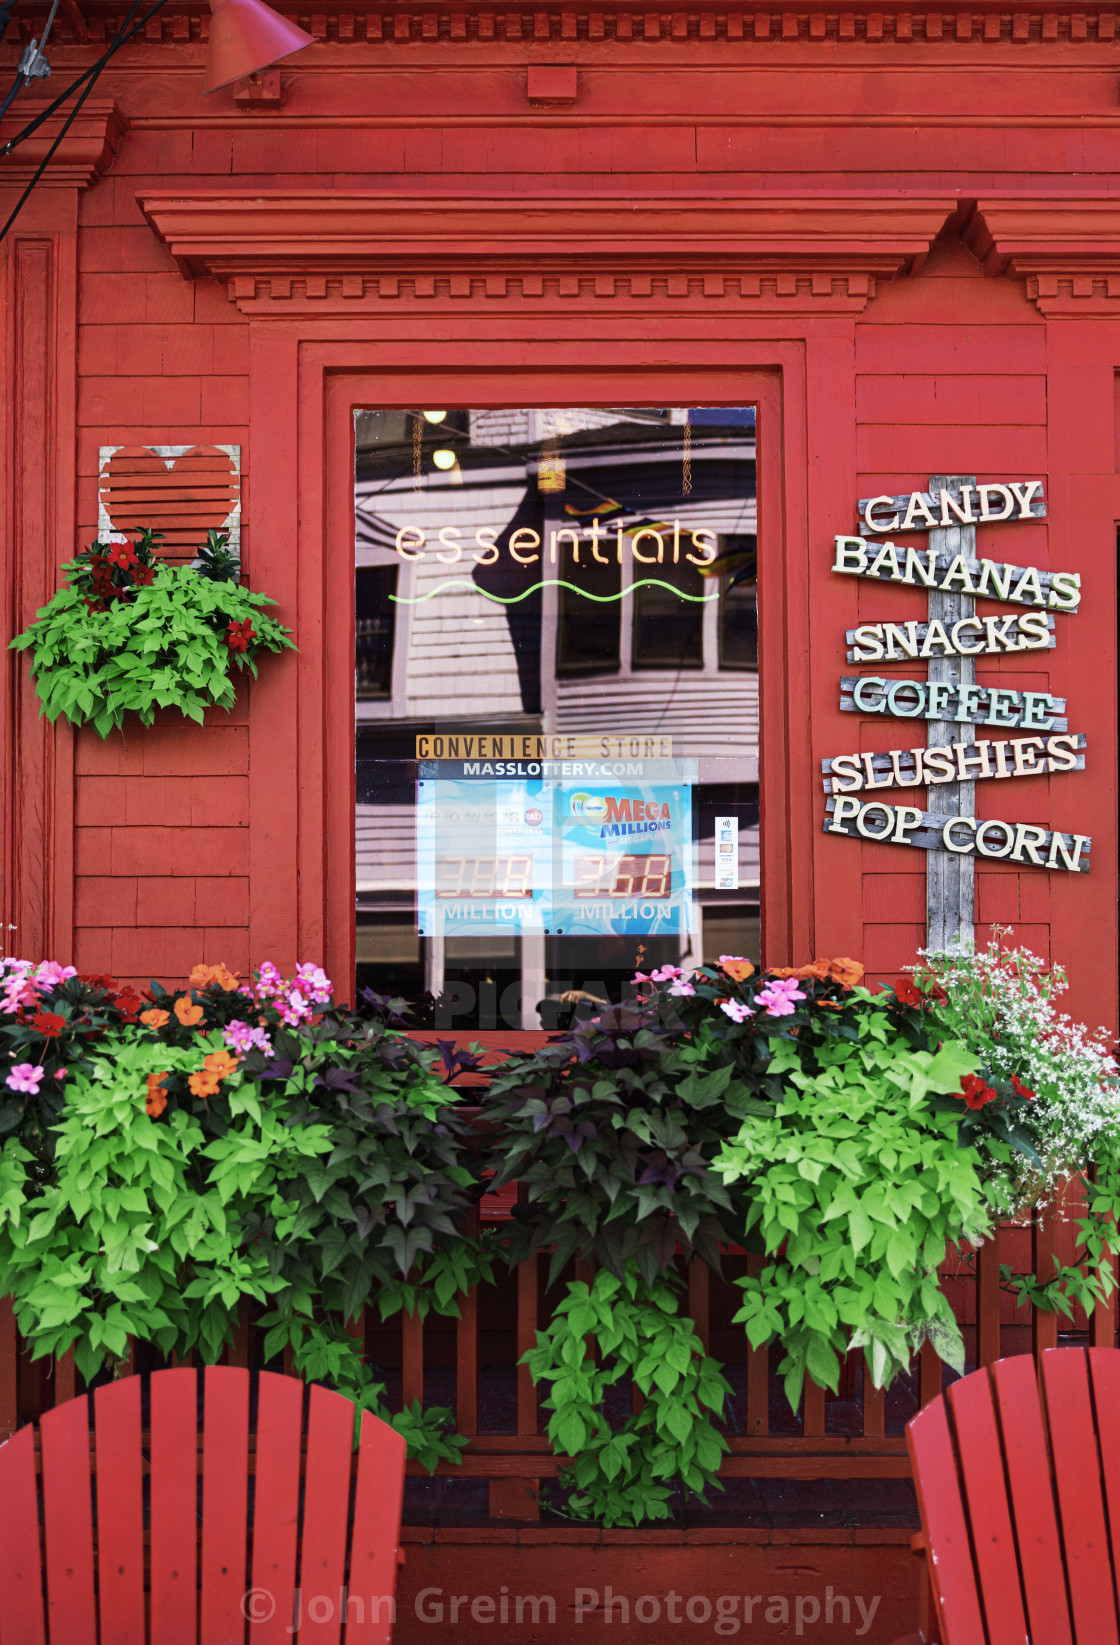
<point>472,1365</point>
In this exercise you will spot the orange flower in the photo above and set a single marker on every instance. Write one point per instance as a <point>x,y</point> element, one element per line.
<point>738,970</point>
<point>219,1065</point>
<point>189,1015</point>
<point>155,1018</point>
<point>203,975</point>
<point>203,1085</point>
<point>843,970</point>
<point>156,1100</point>
<point>817,969</point>
<point>848,973</point>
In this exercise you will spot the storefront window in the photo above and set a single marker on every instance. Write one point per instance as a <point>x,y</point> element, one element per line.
<point>556,704</point>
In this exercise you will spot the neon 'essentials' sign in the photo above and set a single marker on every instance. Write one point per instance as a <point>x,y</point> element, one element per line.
<point>663,544</point>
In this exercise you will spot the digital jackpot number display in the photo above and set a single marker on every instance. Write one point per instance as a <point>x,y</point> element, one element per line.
<point>631,876</point>
<point>555,854</point>
<point>477,876</point>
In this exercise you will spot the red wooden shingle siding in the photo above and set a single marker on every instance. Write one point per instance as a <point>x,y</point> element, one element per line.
<point>1016,1528</point>
<point>183,497</point>
<point>80,1564</point>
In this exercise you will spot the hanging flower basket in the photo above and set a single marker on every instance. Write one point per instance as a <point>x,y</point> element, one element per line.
<point>132,634</point>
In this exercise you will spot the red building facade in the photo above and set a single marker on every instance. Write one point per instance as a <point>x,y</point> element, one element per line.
<point>894,232</point>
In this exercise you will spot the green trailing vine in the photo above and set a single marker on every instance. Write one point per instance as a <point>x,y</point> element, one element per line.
<point>131,634</point>
<point>604,1335</point>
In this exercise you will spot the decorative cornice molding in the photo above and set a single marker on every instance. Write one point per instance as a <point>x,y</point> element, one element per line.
<point>84,153</point>
<point>813,20</point>
<point>1065,248</point>
<point>285,253</point>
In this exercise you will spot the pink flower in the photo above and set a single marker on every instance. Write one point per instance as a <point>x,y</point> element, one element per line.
<point>241,1038</point>
<point>682,988</point>
<point>50,974</point>
<point>737,1010</point>
<point>26,1077</point>
<point>315,983</point>
<point>294,1010</point>
<point>61,1073</point>
<point>639,976</point>
<point>778,997</point>
<point>666,973</point>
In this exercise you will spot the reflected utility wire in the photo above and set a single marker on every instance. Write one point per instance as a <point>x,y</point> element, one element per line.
<point>87,81</point>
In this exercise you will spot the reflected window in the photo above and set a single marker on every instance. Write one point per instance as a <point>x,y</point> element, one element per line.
<point>738,605</point>
<point>588,609</point>
<point>669,625</point>
<point>556,704</point>
<point>374,627</point>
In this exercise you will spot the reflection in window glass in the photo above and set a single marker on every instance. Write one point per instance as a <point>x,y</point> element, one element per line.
<point>556,704</point>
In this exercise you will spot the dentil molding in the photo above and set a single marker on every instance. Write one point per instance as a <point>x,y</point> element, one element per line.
<point>282,254</point>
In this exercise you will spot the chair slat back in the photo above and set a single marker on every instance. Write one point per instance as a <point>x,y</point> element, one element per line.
<point>1017,1486</point>
<point>1032,1499</point>
<point>225,1506</point>
<point>69,1576</point>
<point>68,1523</point>
<point>1074,1459</point>
<point>989,1511</point>
<point>276,1509</point>
<point>119,1461</point>
<point>173,1506</point>
<point>21,1555</point>
<point>330,1439</point>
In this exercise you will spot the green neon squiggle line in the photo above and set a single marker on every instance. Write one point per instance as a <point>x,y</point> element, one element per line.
<point>551,582</point>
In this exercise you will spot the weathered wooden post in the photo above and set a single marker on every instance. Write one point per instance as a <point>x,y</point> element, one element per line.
<point>950,878</point>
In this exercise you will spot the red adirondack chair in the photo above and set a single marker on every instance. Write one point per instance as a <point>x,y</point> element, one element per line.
<point>1018,1486</point>
<point>250,1525</point>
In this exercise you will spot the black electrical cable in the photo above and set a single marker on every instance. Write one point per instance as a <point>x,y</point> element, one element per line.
<point>121,39</point>
<point>22,78</point>
<point>91,81</point>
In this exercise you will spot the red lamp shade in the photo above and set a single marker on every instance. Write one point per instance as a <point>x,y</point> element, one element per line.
<point>245,37</point>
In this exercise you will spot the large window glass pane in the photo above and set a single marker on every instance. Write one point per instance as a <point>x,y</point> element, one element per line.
<point>556,704</point>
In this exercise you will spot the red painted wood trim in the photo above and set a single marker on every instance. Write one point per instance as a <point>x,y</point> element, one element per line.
<point>242,230</point>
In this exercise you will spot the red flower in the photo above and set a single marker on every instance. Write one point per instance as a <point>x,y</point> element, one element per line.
<point>121,555</point>
<point>905,992</point>
<point>143,575</point>
<point>100,981</point>
<point>128,1004</point>
<point>239,634</point>
<point>975,1092</point>
<point>1021,1090</point>
<point>48,1023</point>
